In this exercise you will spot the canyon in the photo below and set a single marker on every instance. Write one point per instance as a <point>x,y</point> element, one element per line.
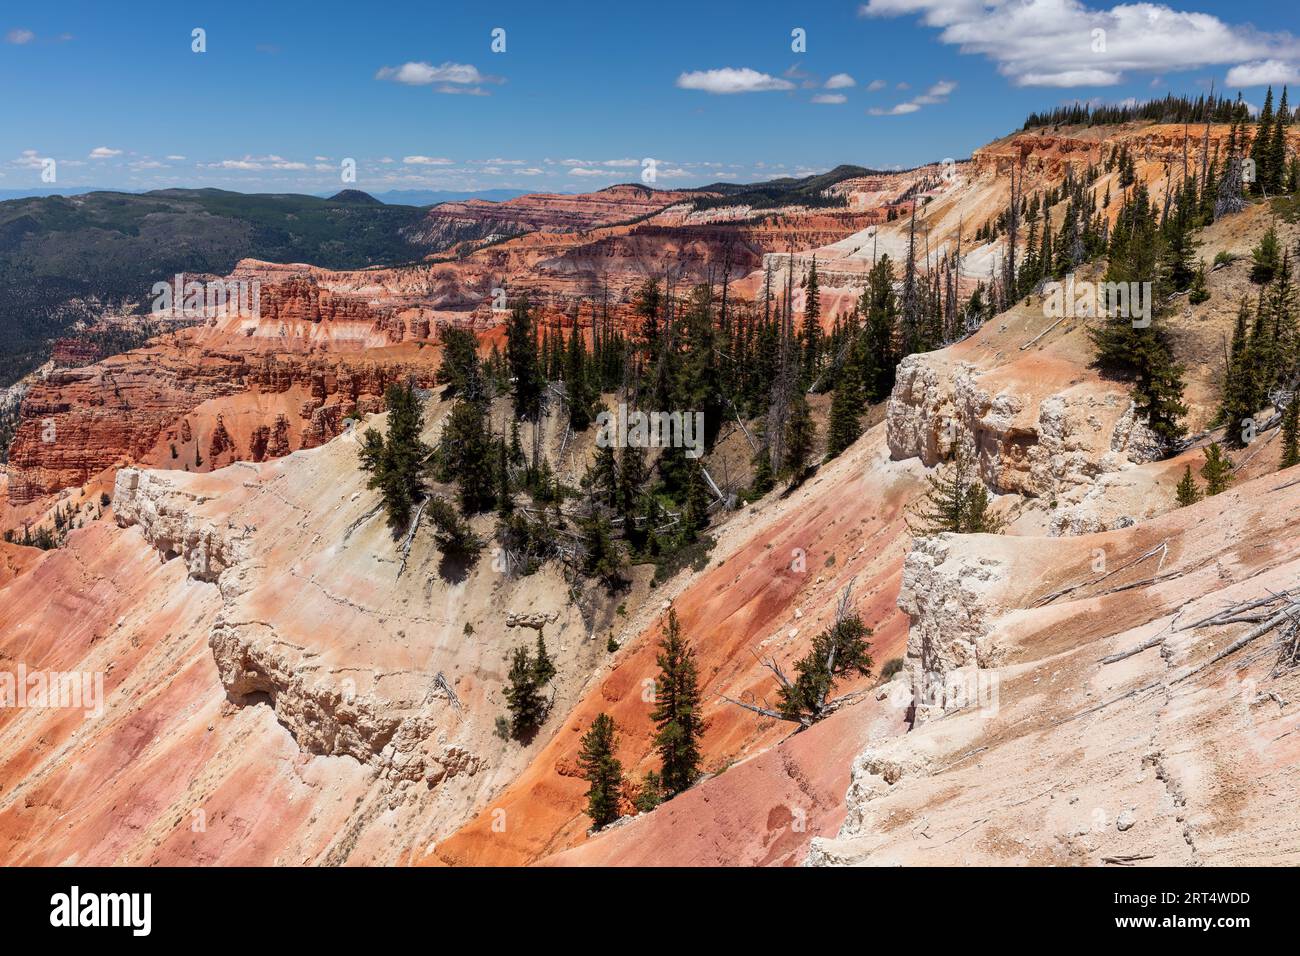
<point>284,687</point>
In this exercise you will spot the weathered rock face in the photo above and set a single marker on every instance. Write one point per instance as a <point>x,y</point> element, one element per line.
<point>1111,730</point>
<point>199,397</point>
<point>452,222</point>
<point>1028,443</point>
<point>950,596</point>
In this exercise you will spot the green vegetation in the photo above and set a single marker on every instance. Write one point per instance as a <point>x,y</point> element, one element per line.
<point>677,716</point>
<point>602,770</point>
<point>956,501</point>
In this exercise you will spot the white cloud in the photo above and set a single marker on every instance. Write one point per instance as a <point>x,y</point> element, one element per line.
<point>875,85</point>
<point>1263,73</point>
<point>937,93</point>
<point>732,80</point>
<point>583,171</point>
<point>450,77</point>
<point>833,98</point>
<point>30,159</point>
<point>840,81</point>
<point>897,110</point>
<point>19,37</point>
<point>1056,43</point>
<point>104,152</point>
<point>175,158</point>
<point>426,161</point>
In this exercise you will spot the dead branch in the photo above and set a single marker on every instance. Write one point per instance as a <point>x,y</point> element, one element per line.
<point>1162,549</point>
<point>410,535</point>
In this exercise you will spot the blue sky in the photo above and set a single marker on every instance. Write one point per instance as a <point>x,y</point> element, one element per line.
<point>582,93</point>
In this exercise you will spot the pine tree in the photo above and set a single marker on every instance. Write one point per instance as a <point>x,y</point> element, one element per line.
<point>452,533</point>
<point>695,513</point>
<point>396,461</point>
<point>840,649</point>
<point>1259,147</point>
<point>1187,492</point>
<point>459,358</point>
<point>845,423</point>
<point>1266,257</point>
<point>523,698</point>
<point>1217,470</point>
<point>543,666</point>
<point>1291,433</point>
<point>521,353</point>
<point>763,481</point>
<point>1199,291</point>
<point>577,390</point>
<point>602,771</point>
<point>878,358</point>
<point>466,452</point>
<point>956,501</point>
<point>1276,155</point>
<point>504,492</point>
<point>799,433</point>
<point>678,721</point>
<point>812,328</point>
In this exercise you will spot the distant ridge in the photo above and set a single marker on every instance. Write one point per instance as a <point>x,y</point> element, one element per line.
<point>356,197</point>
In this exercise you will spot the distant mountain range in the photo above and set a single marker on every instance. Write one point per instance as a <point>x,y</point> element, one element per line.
<point>391,197</point>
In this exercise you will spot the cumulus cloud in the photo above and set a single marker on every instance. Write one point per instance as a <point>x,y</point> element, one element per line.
<point>1263,73</point>
<point>937,93</point>
<point>896,110</point>
<point>1062,43</point>
<point>448,77</point>
<point>19,37</point>
<point>257,162</point>
<point>875,85</point>
<point>840,81</point>
<point>732,80</point>
<point>831,98</point>
<point>426,161</point>
<point>104,152</point>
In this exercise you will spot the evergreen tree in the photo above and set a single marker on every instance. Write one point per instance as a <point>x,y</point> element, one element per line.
<point>459,358</point>
<point>878,358</point>
<point>1291,433</point>
<point>465,451</point>
<point>1217,470</point>
<point>799,433</point>
<point>1187,492</point>
<point>521,353</point>
<point>396,461</point>
<point>956,501</point>
<point>676,715</point>
<point>523,697</point>
<point>577,389</point>
<point>649,794</point>
<point>504,492</point>
<point>1199,291</point>
<point>452,532</point>
<point>846,413</point>
<point>763,481</point>
<point>1259,147</point>
<point>840,649</point>
<point>543,666</point>
<point>1266,258</point>
<point>812,328</point>
<point>695,513</point>
<point>602,771</point>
